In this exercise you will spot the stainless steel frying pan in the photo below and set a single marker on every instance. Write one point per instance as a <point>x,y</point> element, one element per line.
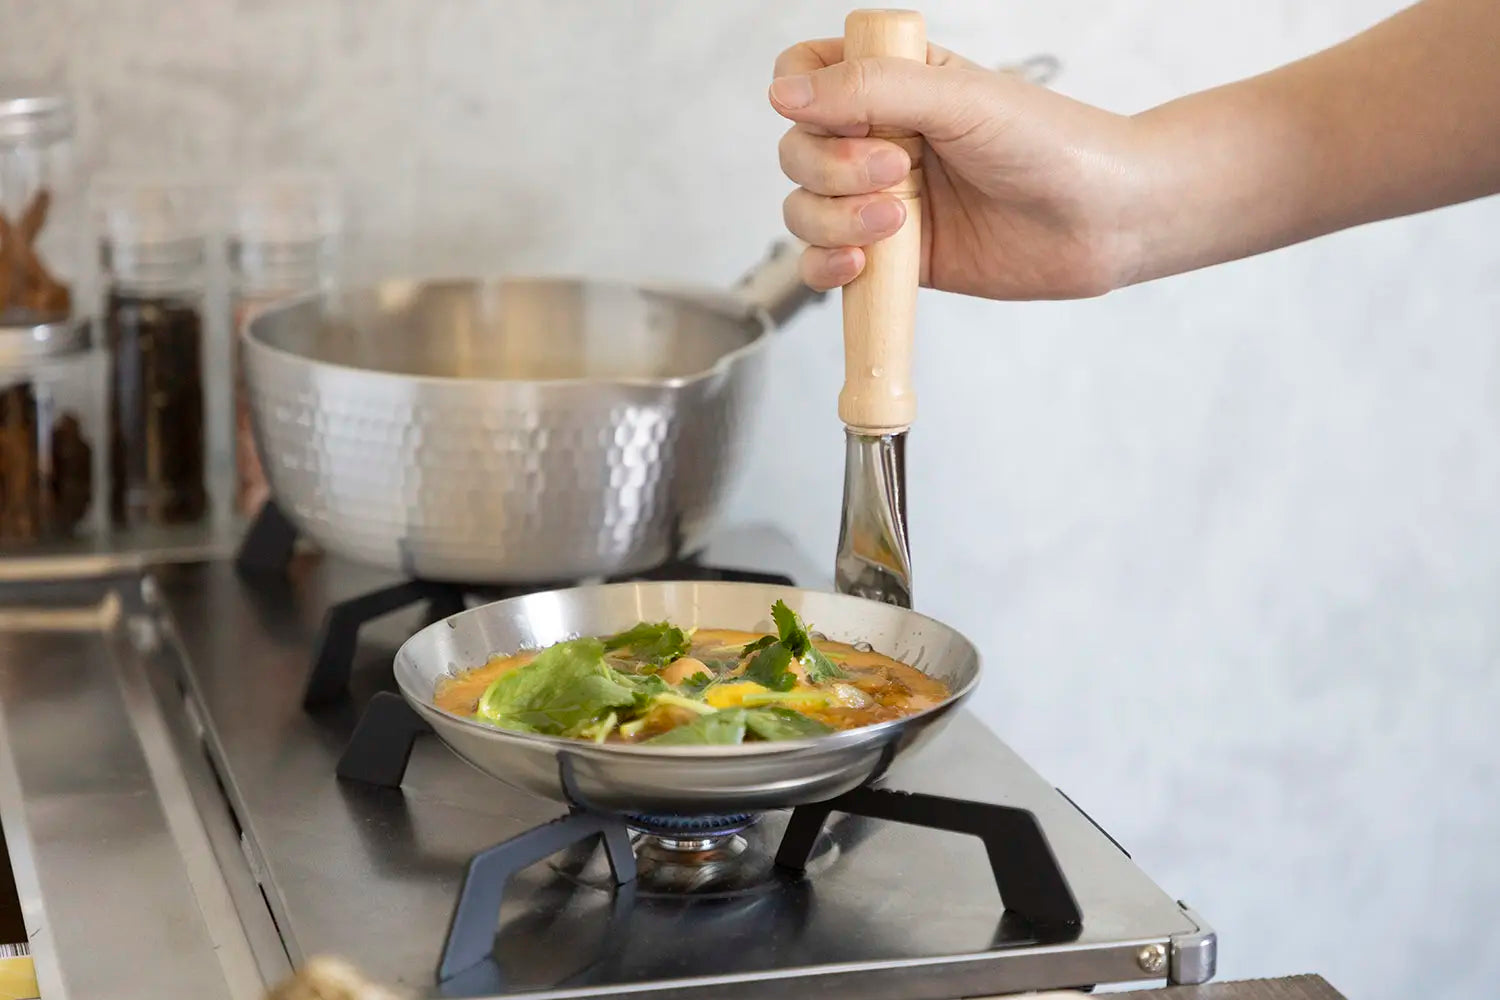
<point>681,781</point>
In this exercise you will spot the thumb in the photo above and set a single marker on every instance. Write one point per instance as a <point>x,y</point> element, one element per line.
<point>849,97</point>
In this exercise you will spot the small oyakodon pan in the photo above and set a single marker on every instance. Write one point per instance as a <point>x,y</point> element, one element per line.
<point>681,780</point>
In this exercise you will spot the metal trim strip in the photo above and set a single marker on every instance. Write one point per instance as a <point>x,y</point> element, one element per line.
<point>200,862</point>
<point>44,958</point>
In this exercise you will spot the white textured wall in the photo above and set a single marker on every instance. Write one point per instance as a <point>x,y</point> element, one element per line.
<point>1229,541</point>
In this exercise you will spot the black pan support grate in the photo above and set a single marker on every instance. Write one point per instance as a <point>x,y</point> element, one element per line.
<point>1031,883</point>
<point>268,546</point>
<point>1026,872</point>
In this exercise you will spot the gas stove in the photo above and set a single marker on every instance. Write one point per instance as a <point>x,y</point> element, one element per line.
<point>284,819</point>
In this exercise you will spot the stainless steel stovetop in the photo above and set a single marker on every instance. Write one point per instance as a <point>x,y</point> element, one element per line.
<point>172,809</point>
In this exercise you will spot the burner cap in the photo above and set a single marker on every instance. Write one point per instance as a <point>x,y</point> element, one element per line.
<point>689,826</point>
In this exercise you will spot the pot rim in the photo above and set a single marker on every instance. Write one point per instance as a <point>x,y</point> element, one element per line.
<point>726,304</point>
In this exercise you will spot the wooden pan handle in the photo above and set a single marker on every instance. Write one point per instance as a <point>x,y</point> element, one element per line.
<point>880,306</point>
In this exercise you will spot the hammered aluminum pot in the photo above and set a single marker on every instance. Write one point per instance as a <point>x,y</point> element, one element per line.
<point>514,429</point>
<point>682,780</point>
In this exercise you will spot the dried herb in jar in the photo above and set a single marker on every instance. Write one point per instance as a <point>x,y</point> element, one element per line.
<point>157,460</point>
<point>72,490</point>
<point>20,465</point>
<point>28,291</point>
<point>46,479</point>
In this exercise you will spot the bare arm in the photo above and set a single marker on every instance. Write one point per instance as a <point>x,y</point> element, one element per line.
<point>1032,195</point>
<point>1400,119</point>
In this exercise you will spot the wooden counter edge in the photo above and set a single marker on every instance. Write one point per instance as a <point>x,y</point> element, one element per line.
<point>1289,988</point>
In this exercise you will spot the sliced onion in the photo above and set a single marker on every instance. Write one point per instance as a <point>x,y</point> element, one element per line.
<point>851,696</point>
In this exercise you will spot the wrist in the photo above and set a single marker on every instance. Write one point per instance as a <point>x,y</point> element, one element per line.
<point>1157,209</point>
<point>1126,240</point>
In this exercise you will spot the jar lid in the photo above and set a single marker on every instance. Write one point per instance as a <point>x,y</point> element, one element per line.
<point>43,341</point>
<point>164,212</point>
<point>31,111</point>
<point>287,208</point>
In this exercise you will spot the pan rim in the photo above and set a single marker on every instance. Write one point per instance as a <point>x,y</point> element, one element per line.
<point>863,734</point>
<point>721,301</point>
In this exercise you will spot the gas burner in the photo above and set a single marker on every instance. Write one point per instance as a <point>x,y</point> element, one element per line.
<point>689,829</point>
<point>720,866</point>
<point>723,864</point>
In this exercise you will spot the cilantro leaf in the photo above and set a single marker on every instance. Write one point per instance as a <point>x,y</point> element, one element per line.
<point>790,630</point>
<point>697,683</point>
<point>567,687</point>
<point>656,644</point>
<point>735,725</point>
<point>819,667</point>
<point>789,627</point>
<point>718,728</point>
<point>757,645</point>
<point>777,723</point>
<point>794,635</point>
<point>645,686</point>
<point>769,668</point>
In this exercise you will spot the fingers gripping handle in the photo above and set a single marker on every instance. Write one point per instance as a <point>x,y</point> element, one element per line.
<point>880,306</point>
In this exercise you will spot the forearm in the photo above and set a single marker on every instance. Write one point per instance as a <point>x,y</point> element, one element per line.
<point>1400,119</point>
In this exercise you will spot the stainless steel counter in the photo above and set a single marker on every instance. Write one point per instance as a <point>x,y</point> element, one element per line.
<point>94,556</point>
<point>121,893</point>
<point>172,811</point>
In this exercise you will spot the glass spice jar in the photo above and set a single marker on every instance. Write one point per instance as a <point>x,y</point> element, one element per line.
<point>282,244</point>
<point>37,205</point>
<point>49,419</point>
<point>153,252</point>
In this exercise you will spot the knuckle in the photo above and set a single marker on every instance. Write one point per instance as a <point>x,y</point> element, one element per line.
<point>821,270</point>
<point>844,152</point>
<point>807,216</point>
<point>791,57</point>
<point>851,77</point>
<point>797,215</point>
<point>839,163</point>
<point>786,152</point>
<point>859,79</point>
<point>811,270</point>
<point>789,211</point>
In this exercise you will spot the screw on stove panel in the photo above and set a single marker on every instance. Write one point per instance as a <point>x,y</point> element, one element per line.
<point>1152,959</point>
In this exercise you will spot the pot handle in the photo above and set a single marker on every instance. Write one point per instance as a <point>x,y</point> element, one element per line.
<point>775,285</point>
<point>1039,70</point>
<point>880,304</point>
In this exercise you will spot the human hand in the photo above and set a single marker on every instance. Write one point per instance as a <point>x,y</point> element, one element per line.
<point>1028,194</point>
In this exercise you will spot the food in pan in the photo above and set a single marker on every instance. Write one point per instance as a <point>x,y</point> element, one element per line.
<point>660,684</point>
